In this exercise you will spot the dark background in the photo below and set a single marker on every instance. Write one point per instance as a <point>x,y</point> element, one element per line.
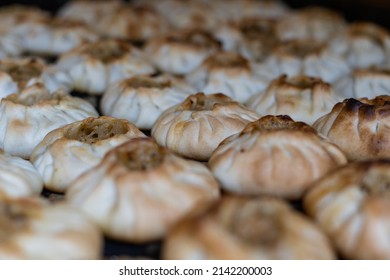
<point>371,10</point>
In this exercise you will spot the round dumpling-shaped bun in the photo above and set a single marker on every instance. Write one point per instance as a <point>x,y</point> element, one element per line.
<point>94,66</point>
<point>245,228</point>
<point>136,24</point>
<point>13,17</point>
<point>311,23</point>
<point>195,127</point>
<point>367,82</point>
<point>303,98</point>
<point>18,177</point>
<point>359,127</point>
<point>363,44</point>
<point>18,73</point>
<point>274,156</point>
<point>180,52</point>
<point>31,228</point>
<point>55,36</point>
<point>139,190</point>
<point>229,73</point>
<point>27,117</point>
<point>304,57</point>
<point>67,152</point>
<point>88,11</point>
<point>142,98</point>
<point>352,205</point>
<point>254,38</point>
<point>184,14</point>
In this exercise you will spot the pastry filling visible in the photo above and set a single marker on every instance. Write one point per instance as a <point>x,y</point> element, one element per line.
<point>22,73</point>
<point>141,154</point>
<point>96,130</point>
<point>148,82</point>
<point>203,102</point>
<point>257,224</point>
<point>108,51</point>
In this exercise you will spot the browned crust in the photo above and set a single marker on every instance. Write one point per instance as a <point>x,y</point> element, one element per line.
<point>107,51</point>
<point>227,60</point>
<point>139,154</point>
<point>274,123</point>
<point>203,102</point>
<point>143,81</point>
<point>92,130</point>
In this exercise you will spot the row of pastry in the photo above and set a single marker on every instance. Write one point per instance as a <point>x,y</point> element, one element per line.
<point>214,178</point>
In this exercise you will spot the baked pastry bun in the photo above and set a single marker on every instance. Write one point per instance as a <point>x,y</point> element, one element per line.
<point>311,23</point>
<point>183,14</point>
<point>27,117</point>
<point>230,73</point>
<point>306,57</point>
<point>94,66</point>
<point>303,98</point>
<point>139,190</point>
<point>352,206</point>
<point>359,127</point>
<point>195,127</point>
<point>244,228</point>
<point>180,52</point>
<point>132,23</point>
<point>18,73</point>
<point>53,37</point>
<point>66,152</point>
<point>142,98</point>
<point>254,37</point>
<point>13,17</point>
<point>88,11</point>
<point>31,228</point>
<point>363,44</point>
<point>365,82</point>
<point>274,156</point>
<point>18,177</point>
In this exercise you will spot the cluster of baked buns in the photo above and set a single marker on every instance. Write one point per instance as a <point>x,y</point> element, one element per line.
<point>226,129</point>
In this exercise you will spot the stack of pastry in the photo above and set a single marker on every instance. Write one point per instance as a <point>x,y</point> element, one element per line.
<point>218,129</point>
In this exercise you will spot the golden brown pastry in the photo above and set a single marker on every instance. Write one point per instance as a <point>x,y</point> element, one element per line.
<point>18,73</point>
<point>352,206</point>
<point>139,190</point>
<point>229,73</point>
<point>359,127</point>
<point>274,156</point>
<point>67,152</point>
<point>303,98</point>
<point>180,52</point>
<point>243,228</point>
<point>195,127</point>
<point>31,228</point>
<point>142,98</point>
<point>94,66</point>
<point>27,117</point>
